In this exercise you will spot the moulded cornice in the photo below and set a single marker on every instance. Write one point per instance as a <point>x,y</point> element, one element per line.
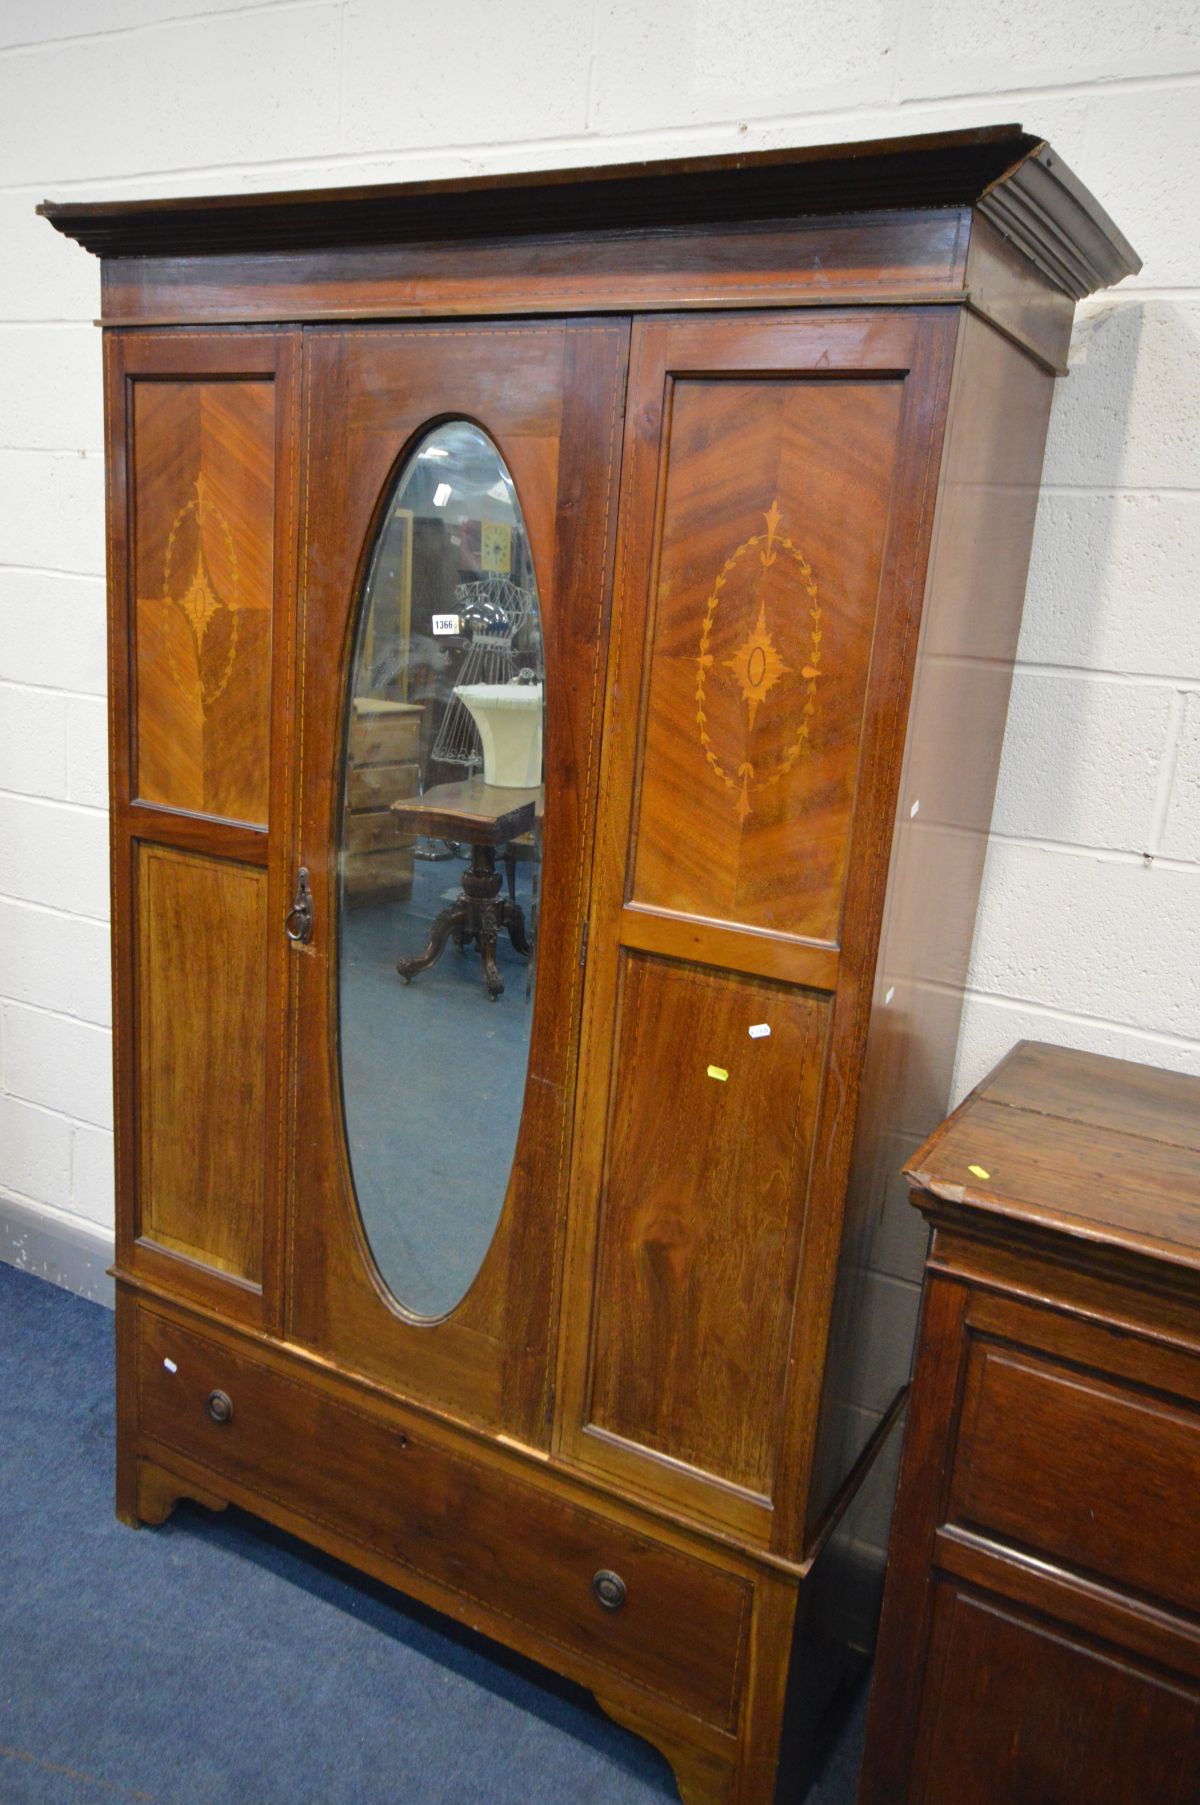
<point>1016,180</point>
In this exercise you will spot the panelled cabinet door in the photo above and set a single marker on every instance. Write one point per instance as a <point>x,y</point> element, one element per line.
<point>202,515</point>
<point>1019,1707</point>
<point>461,491</point>
<point>775,503</point>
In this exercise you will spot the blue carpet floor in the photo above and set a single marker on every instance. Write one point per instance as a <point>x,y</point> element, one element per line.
<point>215,1661</point>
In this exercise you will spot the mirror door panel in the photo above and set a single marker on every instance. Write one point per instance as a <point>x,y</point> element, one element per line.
<point>439,1276</point>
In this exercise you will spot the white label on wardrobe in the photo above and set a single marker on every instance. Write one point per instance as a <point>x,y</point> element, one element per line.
<point>759,1031</point>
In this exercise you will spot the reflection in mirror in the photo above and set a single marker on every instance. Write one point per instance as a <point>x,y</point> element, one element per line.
<point>440,863</point>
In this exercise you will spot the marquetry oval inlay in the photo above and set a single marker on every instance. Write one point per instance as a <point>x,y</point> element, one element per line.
<point>764,585</point>
<point>209,608</point>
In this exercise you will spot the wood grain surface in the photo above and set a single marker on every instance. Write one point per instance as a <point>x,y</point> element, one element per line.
<point>730,504</point>
<point>202,1057</point>
<point>710,1141</point>
<point>763,618</point>
<point>970,626</point>
<point>1041,1625</point>
<point>761,655</point>
<point>463,1525</point>
<point>1025,1712</point>
<point>203,472</point>
<point>1081,1143</point>
<point>202,512</point>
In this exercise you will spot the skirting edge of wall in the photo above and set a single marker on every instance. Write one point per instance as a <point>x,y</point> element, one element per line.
<point>74,1255</point>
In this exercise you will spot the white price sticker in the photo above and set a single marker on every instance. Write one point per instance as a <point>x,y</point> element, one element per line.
<point>444,624</point>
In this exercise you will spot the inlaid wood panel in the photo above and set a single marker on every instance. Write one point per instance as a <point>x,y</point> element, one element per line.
<point>709,1147</point>
<point>201,1057</point>
<point>776,501</point>
<point>203,530</point>
<point>203,507</point>
<point>770,549</point>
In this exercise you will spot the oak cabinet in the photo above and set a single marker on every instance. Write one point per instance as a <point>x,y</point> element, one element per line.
<point>1039,1631</point>
<point>558,678</point>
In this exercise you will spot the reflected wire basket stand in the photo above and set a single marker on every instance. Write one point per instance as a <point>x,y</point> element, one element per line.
<point>495,611</point>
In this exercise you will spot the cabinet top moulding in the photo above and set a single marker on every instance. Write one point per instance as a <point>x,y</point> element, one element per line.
<point>1092,1159</point>
<point>933,218</point>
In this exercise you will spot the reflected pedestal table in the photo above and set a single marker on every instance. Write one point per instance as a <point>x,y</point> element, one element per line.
<point>486,816</point>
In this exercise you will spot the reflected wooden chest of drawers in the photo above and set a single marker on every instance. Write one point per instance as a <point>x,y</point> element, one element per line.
<point>1041,1629</point>
<point>382,755</point>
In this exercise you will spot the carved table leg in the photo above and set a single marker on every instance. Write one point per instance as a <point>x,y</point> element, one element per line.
<point>481,886</point>
<point>489,927</point>
<point>514,921</point>
<point>478,914</point>
<point>451,919</point>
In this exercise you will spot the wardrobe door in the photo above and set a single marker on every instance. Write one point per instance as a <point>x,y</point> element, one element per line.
<point>775,504</point>
<point>461,488</point>
<point>202,514</point>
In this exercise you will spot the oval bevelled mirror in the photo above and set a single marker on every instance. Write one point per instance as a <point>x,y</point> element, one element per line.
<point>440,859</point>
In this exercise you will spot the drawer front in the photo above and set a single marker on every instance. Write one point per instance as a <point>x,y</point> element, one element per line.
<point>1017,1711</point>
<point>492,1539</point>
<point>378,786</point>
<point>1088,1471</point>
<point>385,740</point>
<point>369,875</point>
<point>374,833</point>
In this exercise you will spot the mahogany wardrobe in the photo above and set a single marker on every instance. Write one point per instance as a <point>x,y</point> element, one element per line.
<point>561,633</point>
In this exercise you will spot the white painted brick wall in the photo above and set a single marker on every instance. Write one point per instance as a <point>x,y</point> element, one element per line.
<point>1089,928</point>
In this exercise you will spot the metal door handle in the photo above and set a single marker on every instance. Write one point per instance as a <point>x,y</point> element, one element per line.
<point>298,922</point>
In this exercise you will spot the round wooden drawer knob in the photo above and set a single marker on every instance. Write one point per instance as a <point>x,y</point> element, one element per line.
<point>220,1406</point>
<point>609,1588</point>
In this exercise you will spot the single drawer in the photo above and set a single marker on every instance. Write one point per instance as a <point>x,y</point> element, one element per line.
<point>374,833</point>
<point>1081,1468</point>
<point>378,786</point>
<point>368,875</point>
<point>385,738</point>
<point>662,1620</point>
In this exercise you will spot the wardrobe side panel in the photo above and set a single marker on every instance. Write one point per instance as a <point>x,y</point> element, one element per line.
<point>983,530</point>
